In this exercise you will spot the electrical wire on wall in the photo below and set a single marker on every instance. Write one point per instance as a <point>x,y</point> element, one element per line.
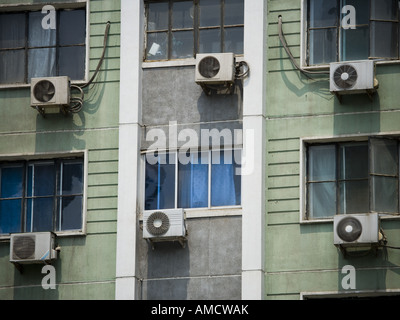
<point>289,53</point>
<point>76,103</point>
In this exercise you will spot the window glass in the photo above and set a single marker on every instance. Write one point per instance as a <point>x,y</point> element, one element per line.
<point>193,181</point>
<point>355,44</point>
<point>160,183</point>
<point>72,178</point>
<point>182,44</point>
<point>322,163</point>
<point>210,41</point>
<point>157,16</point>
<point>72,27</point>
<point>225,182</point>
<point>234,40</point>
<point>12,30</point>
<point>323,44</point>
<point>70,209</point>
<point>12,66</point>
<point>157,46</point>
<point>384,37</point>
<point>10,216</point>
<point>11,182</point>
<point>323,13</point>
<point>38,36</point>
<point>322,199</point>
<point>72,62</point>
<point>234,12</point>
<point>210,13</point>
<point>384,9</point>
<point>361,10</point>
<point>182,15</point>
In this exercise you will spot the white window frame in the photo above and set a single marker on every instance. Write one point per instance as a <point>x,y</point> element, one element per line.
<point>51,156</point>
<point>304,142</point>
<point>304,40</point>
<point>210,211</point>
<point>62,5</point>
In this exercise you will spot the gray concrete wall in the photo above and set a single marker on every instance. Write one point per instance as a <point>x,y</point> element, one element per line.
<point>209,266</point>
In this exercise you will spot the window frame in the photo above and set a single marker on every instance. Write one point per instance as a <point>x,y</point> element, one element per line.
<point>304,41</point>
<point>356,138</point>
<point>196,28</point>
<point>210,210</point>
<point>78,4</point>
<point>47,158</point>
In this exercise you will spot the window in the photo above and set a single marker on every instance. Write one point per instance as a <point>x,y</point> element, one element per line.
<point>41,195</point>
<point>27,50</point>
<point>344,30</point>
<point>353,177</point>
<point>192,180</point>
<point>180,29</point>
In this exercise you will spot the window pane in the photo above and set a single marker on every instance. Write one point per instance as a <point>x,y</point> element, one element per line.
<point>157,46</point>
<point>72,27</point>
<point>182,44</point>
<point>355,44</point>
<point>384,37</point>
<point>72,178</point>
<point>42,214</point>
<point>362,10</point>
<point>384,194</point>
<point>225,182</point>
<point>160,184</point>
<point>384,9</point>
<point>10,216</point>
<point>234,12</point>
<point>12,66</point>
<point>322,199</point>
<point>12,30</point>
<point>11,182</point>
<point>322,163</point>
<point>323,13</point>
<point>41,63</point>
<point>38,36</point>
<point>354,161</point>
<point>384,156</point>
<point>354,196</point>
<point>210,13</point>
<point>322,46</point>
<point>72,62</point>
<point>182,15</point>
<point>234,40</point>
<point>193,182</point>
<point>210,41</point>
<point>42,179</point>
<point>71,213</point>
<point>157,16</point>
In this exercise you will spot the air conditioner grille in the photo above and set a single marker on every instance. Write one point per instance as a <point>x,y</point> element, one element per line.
<point>345,76</point>
<point>24,247</point>
<point>209,67</point>
<point>158,223</point>
<point>44,91</point>
<point>349,229</point>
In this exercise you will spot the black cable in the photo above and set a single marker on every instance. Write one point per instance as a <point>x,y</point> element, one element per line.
<point>289,53</point>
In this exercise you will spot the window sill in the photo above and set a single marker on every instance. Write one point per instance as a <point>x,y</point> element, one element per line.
<point>176,63</point>
<point>330,220</point>
<point>28,85</point>
<point>60,234</point>
<point>209,212</point>
<point>326,66</point>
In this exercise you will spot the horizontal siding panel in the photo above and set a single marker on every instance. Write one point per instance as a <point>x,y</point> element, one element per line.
<point>102,203</point>
<point>102,178</point>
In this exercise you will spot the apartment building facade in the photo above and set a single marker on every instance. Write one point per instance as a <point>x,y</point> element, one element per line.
<point>332,150</point>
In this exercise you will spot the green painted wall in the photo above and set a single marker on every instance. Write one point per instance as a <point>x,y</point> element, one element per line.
<point>302,257</point>
<point>86,265</point>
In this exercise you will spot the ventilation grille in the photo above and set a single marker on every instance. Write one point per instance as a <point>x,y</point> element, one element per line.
<point>44,91</point>
<point>349,229</point>
<point>209,67</point>
<point>158,223</point>
<point>24,247</point>
<point>345,76</point>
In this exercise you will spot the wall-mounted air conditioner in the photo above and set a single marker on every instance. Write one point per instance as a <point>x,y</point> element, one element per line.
<point>34,247</point>
<point>163,225</point>
<point>353,77</point>
<point>354,230</point>
<point>50,92</point>
<point>215,68</point>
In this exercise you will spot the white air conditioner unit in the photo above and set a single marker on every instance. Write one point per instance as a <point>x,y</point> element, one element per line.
<point>34,247</point>
<point>355,230</point>
<point>353,77</point>
<point>50,92</point>
<point>164,224</point>
<point>215,68</point>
